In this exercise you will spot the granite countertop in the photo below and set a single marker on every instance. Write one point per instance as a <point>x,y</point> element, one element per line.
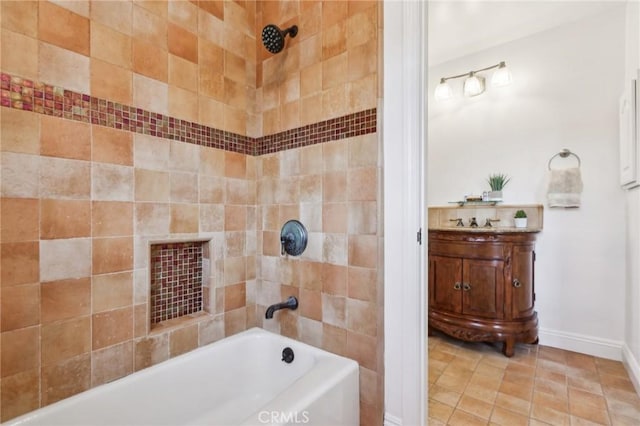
<point>481,229</point>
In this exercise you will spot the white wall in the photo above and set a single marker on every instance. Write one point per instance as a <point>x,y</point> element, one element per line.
<point>565,90</point>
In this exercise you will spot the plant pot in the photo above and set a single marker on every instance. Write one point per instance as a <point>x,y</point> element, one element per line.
<point>495,195</point>
<point>520,222</point>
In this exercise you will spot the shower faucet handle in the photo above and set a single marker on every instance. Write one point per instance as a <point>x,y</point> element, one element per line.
<point>293,238</point>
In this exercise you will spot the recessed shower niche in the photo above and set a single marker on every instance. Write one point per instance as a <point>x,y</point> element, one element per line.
<point>178,272</point>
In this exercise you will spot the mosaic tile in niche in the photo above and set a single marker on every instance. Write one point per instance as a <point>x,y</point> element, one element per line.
<point>176,280</point>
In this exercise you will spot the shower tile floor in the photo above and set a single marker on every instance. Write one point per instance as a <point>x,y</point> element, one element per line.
<point>474,384</point>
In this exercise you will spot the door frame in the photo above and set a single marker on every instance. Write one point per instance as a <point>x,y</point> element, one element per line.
<point>404,132</point>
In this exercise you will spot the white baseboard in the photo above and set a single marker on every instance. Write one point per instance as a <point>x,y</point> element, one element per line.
<point>391,420</point>
<point>632,366</point>
<point>603,348</point>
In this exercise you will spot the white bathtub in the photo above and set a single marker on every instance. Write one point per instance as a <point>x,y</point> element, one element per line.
<point>240,380</point>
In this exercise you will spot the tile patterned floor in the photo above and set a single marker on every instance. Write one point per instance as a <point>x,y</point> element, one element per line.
<point>474,384</point>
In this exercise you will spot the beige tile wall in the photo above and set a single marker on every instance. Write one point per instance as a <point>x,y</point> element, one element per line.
<point>333,189</point>
<point>193,60</point>
<point>74,251</point>
<point>501,215</point>
<point>328,70</point>
<point>81,202</point>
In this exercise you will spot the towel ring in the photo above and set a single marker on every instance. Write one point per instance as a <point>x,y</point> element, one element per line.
<point>564,154</point>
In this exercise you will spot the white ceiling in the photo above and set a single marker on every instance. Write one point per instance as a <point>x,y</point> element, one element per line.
<point>458,28</point>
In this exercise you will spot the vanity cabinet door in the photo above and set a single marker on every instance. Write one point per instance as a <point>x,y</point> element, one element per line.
<point>483,288</point>
<point>445,283</point>
<point>522,291</point>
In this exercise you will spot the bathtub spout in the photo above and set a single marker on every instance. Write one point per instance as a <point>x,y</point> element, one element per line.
<point>290,303</point>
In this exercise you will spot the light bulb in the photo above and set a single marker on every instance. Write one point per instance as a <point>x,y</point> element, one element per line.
<point>473,85</point>
<point>443,91</point>
<point>502,76</point>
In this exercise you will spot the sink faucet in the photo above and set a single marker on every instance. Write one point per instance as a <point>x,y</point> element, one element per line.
<point>290,303</point>
<point>488,222</point>
<point>458,221</point>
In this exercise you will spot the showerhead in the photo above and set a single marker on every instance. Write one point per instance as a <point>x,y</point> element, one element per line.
<point>273,37</point>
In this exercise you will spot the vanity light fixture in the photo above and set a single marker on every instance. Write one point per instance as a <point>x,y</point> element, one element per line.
<point>443,90</point>
<point>474,84</point>
<point>501,76</point>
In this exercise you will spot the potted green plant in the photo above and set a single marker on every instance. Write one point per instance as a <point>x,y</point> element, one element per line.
<point>520,219</point>
<point>497,182</point>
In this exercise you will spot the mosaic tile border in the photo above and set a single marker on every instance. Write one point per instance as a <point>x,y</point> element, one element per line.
<point>42,98</point>
<point>356,124</point>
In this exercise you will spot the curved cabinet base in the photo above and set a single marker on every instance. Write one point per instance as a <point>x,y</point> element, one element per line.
<point>481,286</point>
<point>487,330</point>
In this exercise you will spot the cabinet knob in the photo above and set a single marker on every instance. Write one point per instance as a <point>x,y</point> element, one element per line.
<point>466,286</point>
<point>456,286</point>
<point>517,283</point>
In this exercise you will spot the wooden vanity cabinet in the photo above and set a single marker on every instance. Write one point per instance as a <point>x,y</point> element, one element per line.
<point>481,286</point>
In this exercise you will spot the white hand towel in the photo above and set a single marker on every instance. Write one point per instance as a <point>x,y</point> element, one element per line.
<point>565,187</point>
